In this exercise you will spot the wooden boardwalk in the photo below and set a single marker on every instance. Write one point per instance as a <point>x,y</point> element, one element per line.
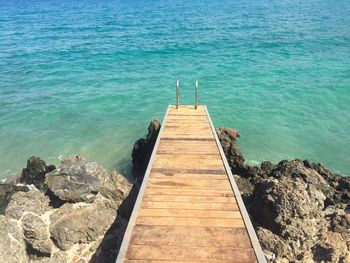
<point>189,208</point>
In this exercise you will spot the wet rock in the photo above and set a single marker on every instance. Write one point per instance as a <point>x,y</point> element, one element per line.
<point>12,245</point>
<point>75,180</point>
<point>143,148</point>
<point>36,233</point>
<point>31,201</point>
<point>35,172</point>
<point>79,223</point>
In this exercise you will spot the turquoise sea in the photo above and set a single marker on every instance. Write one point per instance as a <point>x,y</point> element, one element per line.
<point>87,76</point>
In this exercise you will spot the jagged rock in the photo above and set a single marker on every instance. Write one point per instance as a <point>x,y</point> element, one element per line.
<point>272,242</point>
<point>6,191</point>
<point>31,201</point>
<point>79,223</point>
<point>114,188</point>
<point>340,222</point>
<point>12,245</point>
<point>143,148</point>
<point>35,172</point>
<point>75,180</point>
<point>57,257</point>
<point>297,207</point>
<point>331,248</point>
<point>227,138</point>
<point>36,233</point>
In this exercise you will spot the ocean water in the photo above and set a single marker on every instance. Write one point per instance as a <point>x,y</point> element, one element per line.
<point>87,76</point>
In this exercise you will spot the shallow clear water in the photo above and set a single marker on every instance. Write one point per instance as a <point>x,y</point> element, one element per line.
<point>88,76</point>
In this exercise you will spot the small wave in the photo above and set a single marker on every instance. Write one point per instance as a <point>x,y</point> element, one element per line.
<point>253,162</point>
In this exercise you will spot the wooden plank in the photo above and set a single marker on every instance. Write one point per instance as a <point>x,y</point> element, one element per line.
<point>190,149</point>
<point>189,183</point>
<point>201,161</point>
<point>186,198</point>
<point>190,222</point>
<point>176,253</point>
<point>187,137</point>
<point>188,175</point>
<point>188,165</point>
<point>183,170</point>
<point>189,213</point>
<point>194,236</point>
<point>171,184</point>
<point>193,192</point>
<point>190,206</point>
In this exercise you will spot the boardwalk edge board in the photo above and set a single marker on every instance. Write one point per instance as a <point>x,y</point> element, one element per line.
<point>132,221</point>
<point>249,226</point>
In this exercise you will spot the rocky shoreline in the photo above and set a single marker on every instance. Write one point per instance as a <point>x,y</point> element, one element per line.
<point>64,214</point>
<point>77,212</point>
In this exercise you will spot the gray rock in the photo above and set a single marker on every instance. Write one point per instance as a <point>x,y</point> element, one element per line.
<point>79,223</point>
<point>57,257</point>
<point>12,245</point>
<point>35,172</point>
<point>76,180</point>
<point>115,188</point>
<point>300,210</point>
<point>31,201</point>
<point>6,191</point>
<point>272,242</point>
<point>36,233</point>
<point>142,150</point>
<point>228,138</point>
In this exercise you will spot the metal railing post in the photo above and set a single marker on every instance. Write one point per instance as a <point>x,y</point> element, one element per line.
<point>177,93</point>
<point>196,97</point>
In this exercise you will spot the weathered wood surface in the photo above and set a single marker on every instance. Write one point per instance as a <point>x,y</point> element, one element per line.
<point>186,210</point>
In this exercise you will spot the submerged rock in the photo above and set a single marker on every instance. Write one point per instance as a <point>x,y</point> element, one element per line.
<point>143,148</point>
<point>76,180</point>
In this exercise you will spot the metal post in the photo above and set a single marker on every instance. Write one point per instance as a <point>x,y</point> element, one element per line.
<point>196,100</point>
<point>177,93</point>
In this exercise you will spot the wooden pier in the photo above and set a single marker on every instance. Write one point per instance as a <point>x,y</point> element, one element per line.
<point>189,208</point>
